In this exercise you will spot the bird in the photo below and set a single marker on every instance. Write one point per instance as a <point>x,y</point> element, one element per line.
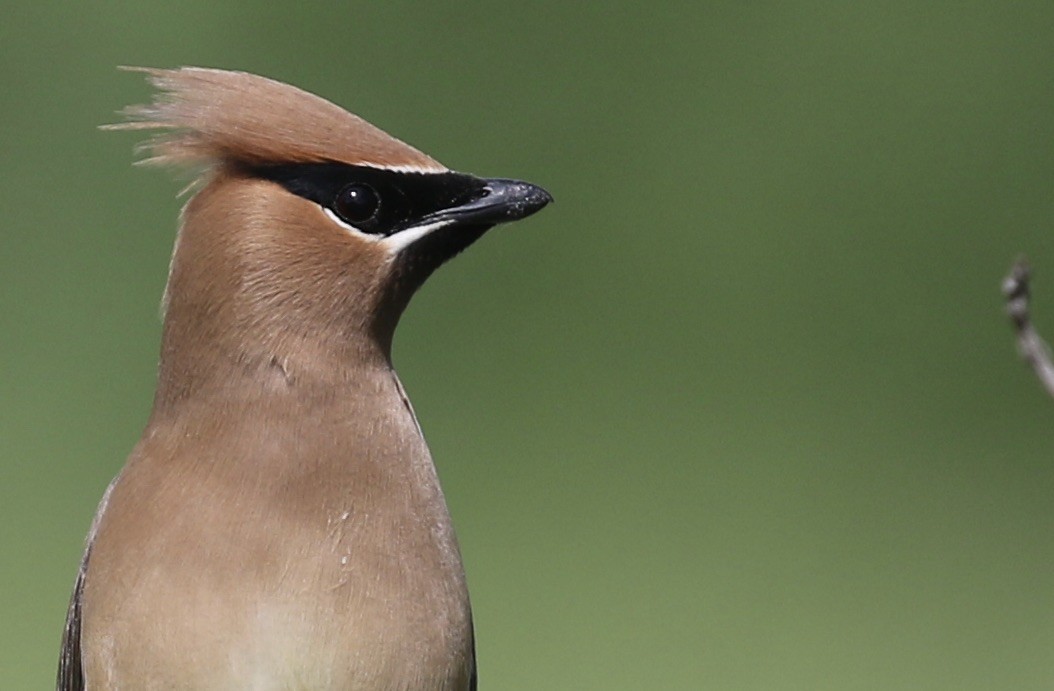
<point>280,524</point>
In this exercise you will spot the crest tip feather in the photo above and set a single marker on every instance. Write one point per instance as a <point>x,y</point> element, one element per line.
<point>218,116</point>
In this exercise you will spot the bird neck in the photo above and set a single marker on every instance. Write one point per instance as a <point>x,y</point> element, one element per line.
<point>256,300</point>
<point>203,365</point>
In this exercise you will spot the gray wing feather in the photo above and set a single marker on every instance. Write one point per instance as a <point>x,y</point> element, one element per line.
<point>473,683</point>
<point>71,674</point>
<point>71,670</point>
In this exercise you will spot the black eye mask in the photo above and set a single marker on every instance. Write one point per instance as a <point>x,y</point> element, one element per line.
<point>374,200</point>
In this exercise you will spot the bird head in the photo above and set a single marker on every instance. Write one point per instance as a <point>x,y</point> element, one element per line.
<point>309,230</point>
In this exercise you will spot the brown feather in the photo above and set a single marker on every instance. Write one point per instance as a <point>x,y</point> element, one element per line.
<point>222,116</point>
<point>280,524</point>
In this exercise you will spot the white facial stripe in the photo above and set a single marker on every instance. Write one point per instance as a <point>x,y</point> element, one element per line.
<point>406,168</point>
<point>403,239</point>
<point>350,228</point>
<point>393,243</point>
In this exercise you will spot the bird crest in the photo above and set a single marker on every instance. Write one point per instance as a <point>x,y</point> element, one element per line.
<point>219,116</point>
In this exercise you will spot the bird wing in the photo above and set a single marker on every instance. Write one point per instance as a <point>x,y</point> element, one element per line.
<point>71,670</point>
<point>473,682</point>
<point>71,674</point>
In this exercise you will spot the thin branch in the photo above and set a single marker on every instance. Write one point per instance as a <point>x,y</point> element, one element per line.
<point>1035,351</point>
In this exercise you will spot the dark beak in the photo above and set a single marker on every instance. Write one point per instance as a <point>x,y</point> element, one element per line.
<point>484,204</point>
<point>499,201</point>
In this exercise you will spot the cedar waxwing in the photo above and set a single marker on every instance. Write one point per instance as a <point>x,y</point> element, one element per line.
<point>280,525</point>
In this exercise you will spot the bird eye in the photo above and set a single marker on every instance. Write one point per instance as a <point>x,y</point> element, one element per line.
<point>356,203</point>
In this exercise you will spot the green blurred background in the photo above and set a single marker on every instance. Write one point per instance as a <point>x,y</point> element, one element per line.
<point>739,411</point>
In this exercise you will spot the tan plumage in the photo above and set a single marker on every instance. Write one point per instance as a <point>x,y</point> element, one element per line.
<point>224,115</point>
<point>280,524</point>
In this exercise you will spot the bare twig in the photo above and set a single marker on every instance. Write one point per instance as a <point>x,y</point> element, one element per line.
<point>1033,349</point>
